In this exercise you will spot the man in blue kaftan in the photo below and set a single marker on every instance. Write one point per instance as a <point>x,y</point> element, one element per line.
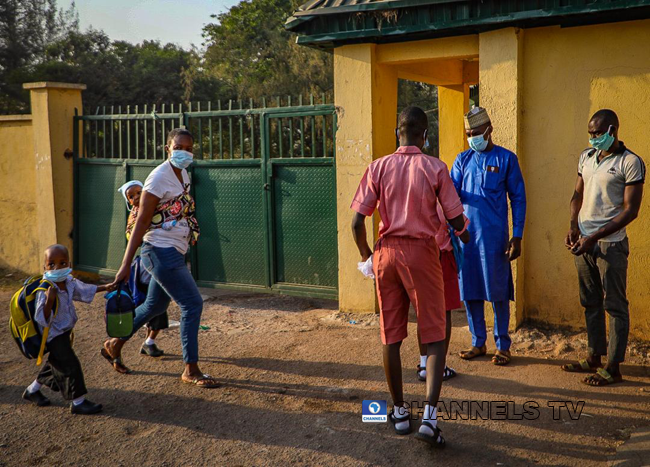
<point>485,176</point>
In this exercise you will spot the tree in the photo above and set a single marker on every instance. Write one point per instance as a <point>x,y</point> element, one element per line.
<point>424,96</point>
<point>40,43</point>
<point>250,50</point>
<point>26,29</point>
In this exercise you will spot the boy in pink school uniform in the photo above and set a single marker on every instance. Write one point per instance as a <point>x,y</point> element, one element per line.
<point>405,187</point>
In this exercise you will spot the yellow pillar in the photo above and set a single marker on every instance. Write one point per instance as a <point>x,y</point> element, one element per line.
<point>53,107</point>
<point>453,103</point>
<point>365,95</point>
<point>501,81</point>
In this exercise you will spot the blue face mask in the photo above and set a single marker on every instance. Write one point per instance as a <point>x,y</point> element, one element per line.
<point>478,143</point>
<point>57,275</point>
<point>181,159</point>
<point>603,142</point>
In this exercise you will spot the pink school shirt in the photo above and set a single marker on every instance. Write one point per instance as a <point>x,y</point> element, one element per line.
<point>408,185</point>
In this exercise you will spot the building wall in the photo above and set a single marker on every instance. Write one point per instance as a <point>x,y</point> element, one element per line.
<point>18,229</point>
<point>568,74</point>
<point>541,85</point>
<point>36,174</point>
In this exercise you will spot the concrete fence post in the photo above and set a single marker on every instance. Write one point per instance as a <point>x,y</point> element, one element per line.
<point>53,109</point>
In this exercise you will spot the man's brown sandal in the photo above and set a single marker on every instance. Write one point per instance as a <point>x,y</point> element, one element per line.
<point>501,358</point>
<point>581,367</point>
<point>602,378</point>
<point>116,362</point>
<point>473,353</point>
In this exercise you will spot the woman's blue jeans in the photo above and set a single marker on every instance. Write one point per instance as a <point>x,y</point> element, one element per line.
<point>171,280</point>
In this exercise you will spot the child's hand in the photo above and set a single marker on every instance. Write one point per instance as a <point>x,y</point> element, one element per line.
<point>51,295</point>
<point>106,288</point>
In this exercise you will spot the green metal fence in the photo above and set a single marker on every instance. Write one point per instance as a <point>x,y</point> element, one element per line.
<point>263,179</point>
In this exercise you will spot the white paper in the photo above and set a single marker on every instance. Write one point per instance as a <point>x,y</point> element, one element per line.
<point>366,268</point>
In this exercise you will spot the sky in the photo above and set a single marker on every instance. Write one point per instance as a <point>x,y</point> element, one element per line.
<point>177,21</point>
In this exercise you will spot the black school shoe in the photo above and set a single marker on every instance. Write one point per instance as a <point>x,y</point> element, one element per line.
<point>36,397</point>
<point>85,408</point>
<point>151,350</point>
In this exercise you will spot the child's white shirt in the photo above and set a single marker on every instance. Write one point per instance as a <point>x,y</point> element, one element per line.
<point>66,316</point>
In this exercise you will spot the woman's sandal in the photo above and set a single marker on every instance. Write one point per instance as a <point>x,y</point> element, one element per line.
<point>116,363</point>
<point>420,377</point>
<point>204,381</point>
<point>436,440</point>
<point>501,358</point>
<point>581,367</point>
<point>473,353</point>
<point>394,420</point>
<point>448,373</point>
<point>602,378</point>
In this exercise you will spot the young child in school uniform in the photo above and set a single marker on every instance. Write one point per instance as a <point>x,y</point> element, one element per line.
<point>406,187</point>
<point>62,371</point>
<point>132,191</point>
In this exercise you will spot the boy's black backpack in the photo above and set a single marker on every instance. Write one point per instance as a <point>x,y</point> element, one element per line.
<point>120,313</point>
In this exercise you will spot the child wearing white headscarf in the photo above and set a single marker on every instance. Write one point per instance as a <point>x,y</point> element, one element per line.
<point>132,191</point>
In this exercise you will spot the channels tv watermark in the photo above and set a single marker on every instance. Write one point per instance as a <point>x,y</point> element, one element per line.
<point>479,410</point>
<point>374,411</point>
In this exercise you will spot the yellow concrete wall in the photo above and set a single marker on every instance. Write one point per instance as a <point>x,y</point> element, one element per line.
<point>36,179</point>
<point>18,229</point>
<point>453,103</point>
<point>568,74</point>
<point>500,75</point>
<point>353,99</point>
<point>53,106</point>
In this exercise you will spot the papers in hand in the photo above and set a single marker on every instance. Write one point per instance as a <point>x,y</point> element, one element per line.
<point>366,268</point>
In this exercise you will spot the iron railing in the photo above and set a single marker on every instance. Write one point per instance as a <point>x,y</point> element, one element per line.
<point>222,130</point>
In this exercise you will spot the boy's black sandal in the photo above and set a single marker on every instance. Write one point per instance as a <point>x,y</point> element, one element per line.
<point>36,397</point>
<point>448,373</point>
<point>421,368</point>
<point>85,408</point>
<point>394,420</point>
<point>436,440</point>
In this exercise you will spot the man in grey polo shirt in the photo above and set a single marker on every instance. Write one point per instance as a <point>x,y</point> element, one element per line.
<point>607,198</point>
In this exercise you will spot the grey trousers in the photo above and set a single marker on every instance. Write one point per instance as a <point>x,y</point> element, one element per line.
<point>602,276</point>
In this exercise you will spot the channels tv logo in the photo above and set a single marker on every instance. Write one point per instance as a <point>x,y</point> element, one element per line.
<point>374,412</point>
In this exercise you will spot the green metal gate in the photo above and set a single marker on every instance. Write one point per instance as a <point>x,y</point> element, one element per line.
<point>264,183</point>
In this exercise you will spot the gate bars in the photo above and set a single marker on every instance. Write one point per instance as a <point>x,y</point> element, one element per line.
<point>111,148</point>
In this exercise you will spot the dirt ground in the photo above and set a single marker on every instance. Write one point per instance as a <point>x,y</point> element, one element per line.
<point>294,373</point>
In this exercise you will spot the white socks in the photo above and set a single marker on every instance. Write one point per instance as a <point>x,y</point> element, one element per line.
<point>402,414</point>
<point>430,415</point>
<point>423,365</point>
<point>78,400</point>
<point>150,341</point>
<point>35,386</point>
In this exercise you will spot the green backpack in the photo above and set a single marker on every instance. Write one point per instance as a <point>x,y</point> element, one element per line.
<point>23,327</point>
